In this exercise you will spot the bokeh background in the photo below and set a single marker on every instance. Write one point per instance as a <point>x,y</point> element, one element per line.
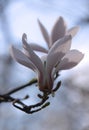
<point>69,109</point>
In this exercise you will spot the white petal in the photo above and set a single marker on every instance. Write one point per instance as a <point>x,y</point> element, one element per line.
<point>38,48</point>
<point>59,30</point>
<point>73,31</point>
<point>70,60</point>
<point>21,58</point>
<point>33,57</point>
<point>44,32</point>
<point>58,50</point>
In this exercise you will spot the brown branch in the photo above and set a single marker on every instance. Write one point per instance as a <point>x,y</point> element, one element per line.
<point>7,98</point>
<point>22,87</point>
<point>31,108</point>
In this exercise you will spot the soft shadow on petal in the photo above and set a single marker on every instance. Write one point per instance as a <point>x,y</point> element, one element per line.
<point>70,60</point>
<point>59,30</point>
<point>31,55</point>
<point>35,59</point>
<point>21,58</point>
<point>73,31</point>
<point>38,48</point>
<point>44,32</point>
<point>58,50</point>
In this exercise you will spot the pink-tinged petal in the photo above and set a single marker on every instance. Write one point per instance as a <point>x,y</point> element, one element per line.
<point>59,30</point>
<point>21,58</point>
<point>44,33</point>
<point>70,60</point>
<point>38,48</point>
<point>34,58</point>
<point>73,31</point>
<point>31,55</point>
<point>58,50</point>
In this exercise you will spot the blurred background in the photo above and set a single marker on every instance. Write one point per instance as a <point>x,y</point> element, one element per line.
<point>69,109</point>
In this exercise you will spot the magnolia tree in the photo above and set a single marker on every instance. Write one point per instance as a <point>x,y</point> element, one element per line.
<point>56,57</point>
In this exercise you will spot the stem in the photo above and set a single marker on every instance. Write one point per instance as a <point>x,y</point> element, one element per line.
<point>22,87</point>
<point>28,109</point>
<point>7,98</point>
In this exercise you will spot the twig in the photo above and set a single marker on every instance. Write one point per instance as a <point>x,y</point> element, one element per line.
<point>28,109</point>
<point>31,108</point>
<point>7,98</point>
<point>22,87</point>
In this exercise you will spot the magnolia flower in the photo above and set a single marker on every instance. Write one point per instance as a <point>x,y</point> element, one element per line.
<point>59,57</point>
<point>59,30</point>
